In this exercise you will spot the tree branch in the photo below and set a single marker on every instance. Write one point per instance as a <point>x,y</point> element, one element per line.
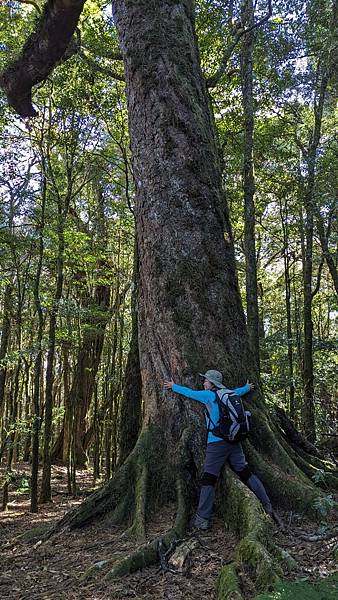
<point>101,69</point>
<point>212,81</point>
<point>36,6</point>
<point>43,49</point>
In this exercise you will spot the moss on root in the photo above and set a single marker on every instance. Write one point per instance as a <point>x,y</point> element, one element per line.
<point>253,555</point>
<point>255,558</point>
<point>290,486</point>
<point>311,465</point>
<point>144,483</point>
<point>227,585</point>
<point>148,555</point>
<point>323,589</point>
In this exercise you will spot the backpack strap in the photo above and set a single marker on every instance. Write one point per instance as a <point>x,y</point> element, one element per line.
<point>219,403</point>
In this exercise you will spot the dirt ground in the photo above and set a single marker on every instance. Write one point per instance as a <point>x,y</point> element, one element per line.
<point>59,568</point>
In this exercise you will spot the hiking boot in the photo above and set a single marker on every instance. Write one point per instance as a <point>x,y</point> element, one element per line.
<point>200,523</point>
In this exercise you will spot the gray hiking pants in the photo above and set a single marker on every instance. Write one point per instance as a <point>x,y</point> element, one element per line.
<point>216,455</point>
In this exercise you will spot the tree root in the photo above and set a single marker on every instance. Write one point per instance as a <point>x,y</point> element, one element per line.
<point>311,466</point>
<point>121,496</point>
<point>149,554</point>
<point>143,484</point>
<point>256,555</point>
<point>138,527</point>
<point>289,487</point>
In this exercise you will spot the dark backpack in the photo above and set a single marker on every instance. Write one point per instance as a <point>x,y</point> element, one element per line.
<point>234,422</point>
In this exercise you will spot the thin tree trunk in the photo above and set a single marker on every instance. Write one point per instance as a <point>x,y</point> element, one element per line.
<point>131,404</point>
<point>110,393</point>
<point>27,411</point>
<point>13,415</point>
<point>247,17</point>
<point>309,421</point>
<point>324,71</point>
<point>87,365</point>
<point>325,249</point>
<point>38,360</point>
<point>5,335</point>
<point>45,493</point>
<point>287,280</point>
<point>97,437</point>
<point>67,423</point>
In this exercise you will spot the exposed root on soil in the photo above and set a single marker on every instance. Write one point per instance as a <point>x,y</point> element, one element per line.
<point>143,484</point>
<point>121,496</point>
<point>256,554</point>
<point>138,527</point>
<point>148,554</point>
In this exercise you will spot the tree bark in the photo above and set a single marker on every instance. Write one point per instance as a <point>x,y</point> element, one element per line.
<point>247,17</point>
<point>189,303</point>
<point>324,72</point>
<point>43,49</point>
<point>38,360</point>
<point>309,421</point>
<point>325,249</point>
<point>5,335</point>
<point>131,404</point>
<point>45,492</point>
<point>87,364</point>
<point>287,280</point>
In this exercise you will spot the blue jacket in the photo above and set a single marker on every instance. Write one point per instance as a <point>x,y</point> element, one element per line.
<point>207,397</point>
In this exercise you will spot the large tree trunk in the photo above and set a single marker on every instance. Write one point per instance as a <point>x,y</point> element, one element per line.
<point>190,312</point>
<point>87,364</point>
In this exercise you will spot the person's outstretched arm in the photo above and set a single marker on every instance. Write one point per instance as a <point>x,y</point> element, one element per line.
<point>245,389</point>
<point>203,396</point>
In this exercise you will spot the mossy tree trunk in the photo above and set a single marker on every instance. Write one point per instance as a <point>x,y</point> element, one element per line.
<point>189,307</point>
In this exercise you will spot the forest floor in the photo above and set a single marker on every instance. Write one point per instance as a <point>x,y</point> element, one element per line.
<point>58,568</point>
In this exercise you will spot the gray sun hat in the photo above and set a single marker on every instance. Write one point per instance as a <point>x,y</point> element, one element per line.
<point>215,377</point>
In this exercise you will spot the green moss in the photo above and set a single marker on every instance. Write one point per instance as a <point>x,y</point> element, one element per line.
<point>138,560</point>
<point>335,554</point>
<point>227,585</point>
<point>289,485</point>
<point>35,533</point>
<point>325,589</point>
<point>254,558</point>
<point>255,551</point>
<point>283,557</point>
<point>145,556</point>
<point>241,510</point>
